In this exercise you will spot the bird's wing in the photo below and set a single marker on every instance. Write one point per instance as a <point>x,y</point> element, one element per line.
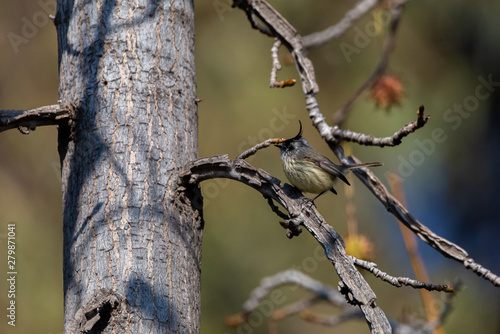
<point>334,170</point>
<point>329,167</point>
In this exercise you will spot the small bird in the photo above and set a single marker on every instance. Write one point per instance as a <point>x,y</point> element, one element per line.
<point>310,171</point>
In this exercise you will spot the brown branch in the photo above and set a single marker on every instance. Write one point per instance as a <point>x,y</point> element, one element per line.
<point>396,12</point>
<point>301,213</point>
<point>28,120</point>
<point>393,140</point>
<point>445,247</point>
<point>321,37</point>
<point>417,263</point>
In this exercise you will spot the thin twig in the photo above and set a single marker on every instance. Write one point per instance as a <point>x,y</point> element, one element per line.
<point>276,63</point>
<point>354,286</point>
<point>260,146</point>
<point>399,281</point>
<point>321,37</point>
<point>396,12</point>
<point>280,28</point>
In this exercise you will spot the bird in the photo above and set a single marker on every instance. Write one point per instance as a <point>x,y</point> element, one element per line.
<point>310,171</point>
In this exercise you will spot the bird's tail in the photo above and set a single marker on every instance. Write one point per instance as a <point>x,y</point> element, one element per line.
<point>363,164</point>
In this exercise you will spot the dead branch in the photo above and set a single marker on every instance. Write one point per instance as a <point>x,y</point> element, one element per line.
<point>399,281</point>
<point>395,139</point>
<point>322,293</point>
<point>301,213</point>
<point>321,37</point>
<point>98,308</point>
<point>277,26</point>
<point>444,246</point>
<point>28,120</point>
<point>260,146</point>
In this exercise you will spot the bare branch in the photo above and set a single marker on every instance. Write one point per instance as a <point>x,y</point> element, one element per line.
<point>442,245</point>
<point>399,281</point>
<point>321,37</point>
<point>280,28</point>
<point>396,12</point>
<point>293,277</point>
<point>302,213</point>
<point>300,307</point>
<point>28,120</point>
<point>275,209</point>
<point>330,320</point>
<point>273,83</point>
<point>102,304</point>
<point>393,140</point>
<point>260,146</point>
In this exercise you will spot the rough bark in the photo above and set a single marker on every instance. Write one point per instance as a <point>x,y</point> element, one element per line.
<point>132,250</point>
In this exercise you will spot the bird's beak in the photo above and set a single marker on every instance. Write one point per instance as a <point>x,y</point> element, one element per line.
<point>279,146</point>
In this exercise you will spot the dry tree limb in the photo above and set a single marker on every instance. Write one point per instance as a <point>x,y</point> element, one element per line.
<point>100,307</point>
<point>273,83</point>
<point>396,12</point>
<point>321,37</point>
<point>28,120</point>
<point>442,245</point>
<point>287,34</point>
<point>399,281</point>
<point>298,278</point>
<point>301,213</point>
<point>260,146</point>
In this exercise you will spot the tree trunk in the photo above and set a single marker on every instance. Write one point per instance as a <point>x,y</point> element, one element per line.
<point>132,248</point>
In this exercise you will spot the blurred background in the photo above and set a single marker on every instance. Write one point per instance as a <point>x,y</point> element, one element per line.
<point>446,53</point>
